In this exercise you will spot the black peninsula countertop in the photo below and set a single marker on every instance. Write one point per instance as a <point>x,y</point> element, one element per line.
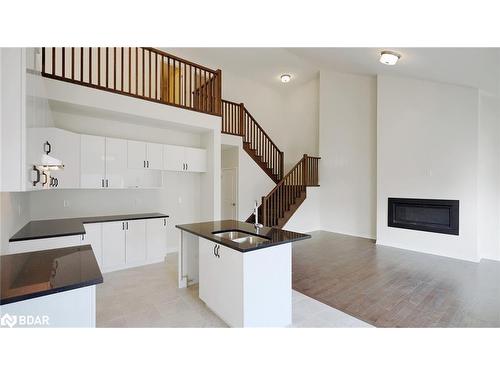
<point>39,229</point>
<point>39,273</point>
<point>274,236</point>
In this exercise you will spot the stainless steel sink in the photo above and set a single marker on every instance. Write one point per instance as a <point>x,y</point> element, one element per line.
<point>242,237</point>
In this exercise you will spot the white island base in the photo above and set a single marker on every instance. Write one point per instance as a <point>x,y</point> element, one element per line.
<point>245,289</point>
<point>74,308</point>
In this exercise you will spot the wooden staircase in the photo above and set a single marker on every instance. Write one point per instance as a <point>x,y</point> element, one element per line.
<point>291,190</point>
<point>154,75</point>
<point>280,204</point>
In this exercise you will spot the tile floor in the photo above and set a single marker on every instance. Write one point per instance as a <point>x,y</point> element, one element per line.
<point>148,297</point>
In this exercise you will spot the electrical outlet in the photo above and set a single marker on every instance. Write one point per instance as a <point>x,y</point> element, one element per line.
<point>65,203</point>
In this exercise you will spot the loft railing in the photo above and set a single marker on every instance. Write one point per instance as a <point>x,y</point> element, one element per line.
<point>236,120</point>
<point>141,72</point>
<point>280,202</point>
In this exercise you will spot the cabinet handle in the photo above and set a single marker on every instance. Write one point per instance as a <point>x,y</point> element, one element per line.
<point>147,163</point>
<point>102,182</point>
<point>187,166</point>
<point>164,222</point>
<point>47,147</point>
<point>215,246</point>
<point>144,163</point>
<point>123,226</point>
<point>127,225</point>
<point>107,183</point>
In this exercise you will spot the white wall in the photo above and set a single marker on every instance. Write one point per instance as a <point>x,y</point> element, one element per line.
<point>427,148</point>
<point>307,218</point>
<point>488,218</point>
<point>347,146</point>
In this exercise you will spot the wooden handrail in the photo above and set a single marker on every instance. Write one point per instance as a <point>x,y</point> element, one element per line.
<point>141,72</point>
<point>236,120</point>
<point>187,62</point>
<point>281,202</point>
<point>262,129</point>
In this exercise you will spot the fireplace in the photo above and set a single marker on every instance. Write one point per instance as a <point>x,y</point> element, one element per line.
<point>430,215</point>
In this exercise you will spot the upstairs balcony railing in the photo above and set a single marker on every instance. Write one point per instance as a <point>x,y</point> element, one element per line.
<point>141,72</point>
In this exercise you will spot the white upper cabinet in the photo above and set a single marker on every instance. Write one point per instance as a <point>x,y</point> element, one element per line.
<point>173,158</point>
<point>142,155</point>
<point>187,159</point>
<point>136,154</point>
<point>154,156</point>
<point>93,166</point>
<point>196,159</point>
<point>116,163</point>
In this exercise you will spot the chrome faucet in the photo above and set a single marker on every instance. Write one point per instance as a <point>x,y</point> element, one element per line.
<point>256,213</point>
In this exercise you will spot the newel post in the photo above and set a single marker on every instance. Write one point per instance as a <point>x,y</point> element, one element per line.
<point>219,92</point>
<point>242,120</point>
<point>264,212</point>
<point>305,171</point>
<point>282,164</point>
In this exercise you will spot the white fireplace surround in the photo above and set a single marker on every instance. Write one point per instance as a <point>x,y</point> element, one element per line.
<point>428,147</point>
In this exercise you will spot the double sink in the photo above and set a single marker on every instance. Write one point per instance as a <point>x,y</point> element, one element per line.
<point>240,237</point>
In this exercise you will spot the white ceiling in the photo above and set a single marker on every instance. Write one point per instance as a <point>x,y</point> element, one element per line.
<point>475,67</point>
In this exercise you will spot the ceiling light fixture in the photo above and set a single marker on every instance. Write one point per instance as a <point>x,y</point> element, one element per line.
<point>389,57</point>
<point>285,78</point>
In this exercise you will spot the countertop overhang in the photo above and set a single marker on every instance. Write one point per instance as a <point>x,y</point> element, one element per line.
<point>38,229</point>
<point>275,236</point>
<point>40,273</point>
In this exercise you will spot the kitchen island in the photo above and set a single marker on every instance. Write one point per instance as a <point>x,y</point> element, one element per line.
<point>49,288</point>
<point>244,272</point>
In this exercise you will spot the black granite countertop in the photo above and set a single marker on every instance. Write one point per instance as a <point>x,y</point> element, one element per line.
<point>39,273</point>
<point>38,229</point>
<point>274,236</point>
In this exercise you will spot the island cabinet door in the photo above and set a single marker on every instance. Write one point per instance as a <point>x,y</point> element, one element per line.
<point>221,281</point>
<point>230,288</point>
<point>208,276</point>
<point>113,245</point>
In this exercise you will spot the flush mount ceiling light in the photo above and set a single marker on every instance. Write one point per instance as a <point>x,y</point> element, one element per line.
<point>285,78</point>
<point>389,57</point>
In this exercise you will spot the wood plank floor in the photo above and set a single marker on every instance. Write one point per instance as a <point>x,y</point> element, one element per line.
<point>390,287</point>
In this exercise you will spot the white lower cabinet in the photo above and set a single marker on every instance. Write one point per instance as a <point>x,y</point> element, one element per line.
<point>252,289</point>
<point>93,237</point>
<point>113,245</point>
<point>156,239</point>
<point>132,243</point>
<point>116,244</point>
<point>135,242</point>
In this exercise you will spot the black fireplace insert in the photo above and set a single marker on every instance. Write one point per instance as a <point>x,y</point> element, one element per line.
<point>430,215</point>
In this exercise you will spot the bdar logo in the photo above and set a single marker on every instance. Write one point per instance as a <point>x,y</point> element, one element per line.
<point>8,320</point>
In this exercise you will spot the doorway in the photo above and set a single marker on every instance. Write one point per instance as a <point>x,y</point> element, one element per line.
<point>229,196</point>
